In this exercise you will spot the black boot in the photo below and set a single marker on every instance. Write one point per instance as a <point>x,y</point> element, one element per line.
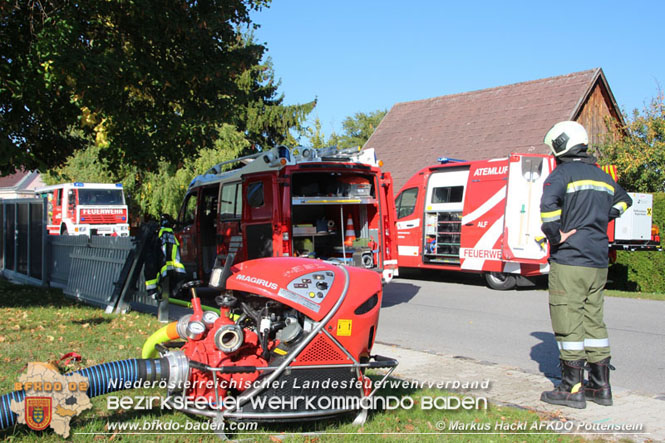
<point>571,390</point>
<point>598,388</point>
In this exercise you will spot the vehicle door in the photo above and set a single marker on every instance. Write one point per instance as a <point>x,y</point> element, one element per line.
<point>55,210</point>
<point>409,222</point>
<point>260,214</point>
<point>188,233</point>
<point>483,218</point>
<point>447,190</point>
<point>526,176</point>
<point>72,197</point>
<point>207,220</point>
<point>229,232</point>
<point>387,260</point>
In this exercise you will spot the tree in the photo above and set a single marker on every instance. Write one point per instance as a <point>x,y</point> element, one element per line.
<point>267,122</point>
<point>356,131</point>
<point>147,81</point>
<point>359,128</point>
<point>638,149</point>
<point>316,138</point>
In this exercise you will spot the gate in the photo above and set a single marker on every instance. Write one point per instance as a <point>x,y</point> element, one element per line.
<point>95,268</point>
<point>23,239</point>
<point>102,271</point>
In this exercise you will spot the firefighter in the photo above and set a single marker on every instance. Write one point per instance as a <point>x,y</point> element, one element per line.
<point>163,259</point>
<point>578,201</point>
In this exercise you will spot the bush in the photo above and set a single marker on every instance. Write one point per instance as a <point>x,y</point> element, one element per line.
<point>642,271</point>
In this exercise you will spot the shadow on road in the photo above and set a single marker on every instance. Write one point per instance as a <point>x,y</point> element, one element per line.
<point>464,278</point>
<point>442,276</point>
<point>546,354</point>
<point>396,293</point>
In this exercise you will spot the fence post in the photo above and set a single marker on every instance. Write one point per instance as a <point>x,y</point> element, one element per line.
<point>45,252</point>
<point>15,237</point>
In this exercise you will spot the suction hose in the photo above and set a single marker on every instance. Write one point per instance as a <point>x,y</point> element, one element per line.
<point>168,332</point>
<point>114,376</point>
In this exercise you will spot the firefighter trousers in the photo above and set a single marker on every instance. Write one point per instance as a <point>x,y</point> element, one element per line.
<point>576,311</point>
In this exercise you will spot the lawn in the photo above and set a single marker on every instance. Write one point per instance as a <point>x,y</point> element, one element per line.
<point>38,324</point>
<point>635,295</point>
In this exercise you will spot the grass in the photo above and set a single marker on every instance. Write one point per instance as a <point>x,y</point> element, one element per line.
<point>38,324</point>
<point>635,295</point>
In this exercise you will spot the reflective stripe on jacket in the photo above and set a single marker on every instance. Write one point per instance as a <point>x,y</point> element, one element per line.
<point>579,195</point>
<point>162,256</point>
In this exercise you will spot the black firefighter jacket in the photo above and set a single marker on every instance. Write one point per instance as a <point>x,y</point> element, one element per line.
<point>579,195</point>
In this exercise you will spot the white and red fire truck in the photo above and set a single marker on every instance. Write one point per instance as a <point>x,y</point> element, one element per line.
<point>317,203</point>
<point>484,217</point>
<point>86,209</point>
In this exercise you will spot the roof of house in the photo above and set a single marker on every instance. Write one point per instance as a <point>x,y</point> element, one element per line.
<point>480,124</point>
<point>18,180</point>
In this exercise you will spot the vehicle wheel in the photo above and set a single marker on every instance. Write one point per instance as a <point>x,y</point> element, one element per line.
<point>500,281</point>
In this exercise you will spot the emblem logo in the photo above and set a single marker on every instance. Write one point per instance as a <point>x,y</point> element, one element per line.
<point>38,412</point>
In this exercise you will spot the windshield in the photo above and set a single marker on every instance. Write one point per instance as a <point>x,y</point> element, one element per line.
<point>101,197</point>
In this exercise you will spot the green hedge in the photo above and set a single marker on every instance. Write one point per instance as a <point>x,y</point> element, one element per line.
<point>642,271</point>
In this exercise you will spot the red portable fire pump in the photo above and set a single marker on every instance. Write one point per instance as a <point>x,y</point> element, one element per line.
<point>292,329</point>
<point>288,327</point>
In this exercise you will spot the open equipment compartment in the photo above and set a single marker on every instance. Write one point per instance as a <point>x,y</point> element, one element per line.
<point>335,216</point>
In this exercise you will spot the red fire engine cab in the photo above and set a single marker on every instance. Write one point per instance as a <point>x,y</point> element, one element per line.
<point>484,217</point>
<point>317,203</point>
<point>86,209</point>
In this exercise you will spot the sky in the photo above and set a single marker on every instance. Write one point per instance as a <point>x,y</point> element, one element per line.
<point>367,55</point>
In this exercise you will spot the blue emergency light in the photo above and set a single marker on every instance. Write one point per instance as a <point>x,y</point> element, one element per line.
<point>444,160</point>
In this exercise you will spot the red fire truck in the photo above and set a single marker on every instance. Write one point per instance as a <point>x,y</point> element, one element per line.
<point>318,203</point>
<point>86,209</point>
<point>484,216</point>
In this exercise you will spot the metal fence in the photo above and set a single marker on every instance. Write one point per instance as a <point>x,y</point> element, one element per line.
<point>95,269</point>
<point>59,257</point>
<point>102,271</point>
<point>23,239</point>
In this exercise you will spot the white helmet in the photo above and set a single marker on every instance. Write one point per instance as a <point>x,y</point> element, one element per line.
<point>565,136</point>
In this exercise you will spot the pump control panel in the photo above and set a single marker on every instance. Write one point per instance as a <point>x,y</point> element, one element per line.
<point>313,286</point>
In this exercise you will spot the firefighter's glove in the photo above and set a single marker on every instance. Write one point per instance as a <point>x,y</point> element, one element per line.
<point>542,241</point>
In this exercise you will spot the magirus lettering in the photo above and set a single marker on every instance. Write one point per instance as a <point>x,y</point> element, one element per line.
<point>257,281</point>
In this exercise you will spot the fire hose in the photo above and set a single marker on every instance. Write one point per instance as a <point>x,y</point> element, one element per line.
<point>110,377</point>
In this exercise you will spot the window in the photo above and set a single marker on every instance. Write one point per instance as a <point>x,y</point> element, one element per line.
<point>447,194</point>
<point>406,202</point>
<point>231,206</point>
<point>188,211</point>
<point>209,205</point>
<point>111,197</point>
<point>255,194</point>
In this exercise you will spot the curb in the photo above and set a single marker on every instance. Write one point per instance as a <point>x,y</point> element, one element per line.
<point>642,416</point>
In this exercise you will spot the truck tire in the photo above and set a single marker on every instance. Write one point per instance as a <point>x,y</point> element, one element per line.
<point>500,281</point>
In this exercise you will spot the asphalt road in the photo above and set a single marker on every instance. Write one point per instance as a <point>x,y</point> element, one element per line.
<point>455,314</point>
